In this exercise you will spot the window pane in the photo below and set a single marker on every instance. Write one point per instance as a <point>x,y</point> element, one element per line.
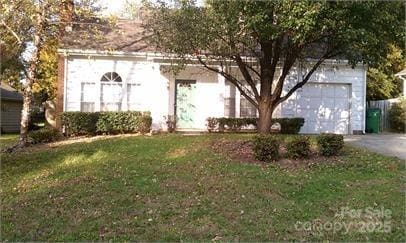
<point>229,107</point>
<point>87,106</point>
<point>110,106</point>
<point>229,100</point>
<point>111,97</point>
<point>87,97</point>
<point>246,108</point>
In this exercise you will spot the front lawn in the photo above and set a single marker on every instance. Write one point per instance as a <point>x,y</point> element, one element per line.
<point>173,187</point>
<point>7,140</point>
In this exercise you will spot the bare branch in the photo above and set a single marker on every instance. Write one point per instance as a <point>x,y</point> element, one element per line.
<point>247,76</point>
<point>12,32</point>
<point>232,79</point>
<point>307,77</point>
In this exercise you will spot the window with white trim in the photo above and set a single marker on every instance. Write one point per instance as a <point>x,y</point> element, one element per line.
<point>229,100</point>
<point>111,92</point>
<point>246,108</point>
<point>88,97</point>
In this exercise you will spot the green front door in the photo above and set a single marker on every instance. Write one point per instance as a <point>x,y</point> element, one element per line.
<point>185,107</point>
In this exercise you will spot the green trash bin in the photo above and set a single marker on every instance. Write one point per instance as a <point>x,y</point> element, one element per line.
<point>373,120</point>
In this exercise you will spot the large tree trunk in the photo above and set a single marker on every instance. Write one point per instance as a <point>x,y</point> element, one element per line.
<point>265,117</point>
<point>25,116</point>
<point>31,77</point>
<point>28,96</point>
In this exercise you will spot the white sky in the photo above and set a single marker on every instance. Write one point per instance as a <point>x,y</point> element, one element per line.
<point>116,7</point>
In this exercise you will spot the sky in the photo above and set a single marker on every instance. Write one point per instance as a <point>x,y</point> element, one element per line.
<point>116,7</point>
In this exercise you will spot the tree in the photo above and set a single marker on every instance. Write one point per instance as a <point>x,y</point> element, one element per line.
<point>265,39</point>
<point>381,81</point>
<point>37,24</point>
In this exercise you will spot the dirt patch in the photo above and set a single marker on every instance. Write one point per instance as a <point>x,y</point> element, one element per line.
<point>241,150</point>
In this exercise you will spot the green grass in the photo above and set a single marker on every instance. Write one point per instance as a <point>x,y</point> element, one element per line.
<point>7,140</point>
<point>172,188</point>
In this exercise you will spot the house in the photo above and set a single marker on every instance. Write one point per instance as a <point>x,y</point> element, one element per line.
<point>122,72</point>
<point>11,106</point>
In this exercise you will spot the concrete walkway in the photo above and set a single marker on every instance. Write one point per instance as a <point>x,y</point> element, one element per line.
<point>388,144</point>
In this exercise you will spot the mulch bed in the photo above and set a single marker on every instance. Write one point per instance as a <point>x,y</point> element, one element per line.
<point>241,150</point>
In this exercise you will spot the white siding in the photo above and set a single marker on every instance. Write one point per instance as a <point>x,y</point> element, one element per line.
<point>152,89</point>
<point>333,74</point>
<point>209,100</point>
<point>156,88</point>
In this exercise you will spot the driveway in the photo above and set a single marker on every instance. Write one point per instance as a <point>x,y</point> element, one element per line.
<point>388,144</point>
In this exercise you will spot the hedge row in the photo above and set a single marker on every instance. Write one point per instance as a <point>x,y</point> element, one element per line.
<point>288,125</point>
<point>266,147</point>
<point>91,123</point>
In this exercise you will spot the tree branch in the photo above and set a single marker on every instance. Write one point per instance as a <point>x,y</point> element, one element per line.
<point>230,78</point>
<point>12,32</point>
<point>246,75</point>
<point>307,77</point>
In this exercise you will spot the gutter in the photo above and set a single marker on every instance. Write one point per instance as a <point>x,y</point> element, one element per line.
<point>166,56</point>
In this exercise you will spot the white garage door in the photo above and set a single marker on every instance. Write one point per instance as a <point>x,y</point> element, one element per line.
<point>325,108</point>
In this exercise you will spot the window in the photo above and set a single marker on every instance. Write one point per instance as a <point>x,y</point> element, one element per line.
<point>246,108</point>
<point>111,92</point>
<point>87,97</point>
<point>229,100</point>
<point>133,97</point>
<point>111,77</point>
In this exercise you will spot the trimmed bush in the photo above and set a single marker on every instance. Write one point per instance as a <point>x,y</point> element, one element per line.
<point>44,135</point>
<point>298,147</point>
<point>397,116</point>
<point>211,124</point>
<point>145,123</point>
<point>288,125</point>
<point>330,144</point>
<point>90,123</point>
<point>80,123</point>
<point>266,148</point>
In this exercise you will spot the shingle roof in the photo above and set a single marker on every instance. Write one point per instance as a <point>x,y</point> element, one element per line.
<point>8,93</point>
<point>124,35</point>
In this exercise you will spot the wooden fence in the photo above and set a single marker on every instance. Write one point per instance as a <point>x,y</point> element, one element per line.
<point>384,105</point>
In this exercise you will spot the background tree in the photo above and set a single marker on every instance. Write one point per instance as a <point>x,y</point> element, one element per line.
<point>381,81</point>
<point>38,25</point>
<point>265,39</point>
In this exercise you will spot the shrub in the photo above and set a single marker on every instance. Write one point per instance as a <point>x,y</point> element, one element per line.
<point>298,147</point>
<point>80,123</point>
<point>211,124</point>
<point>266,148</point>
<point>90,123</point>
<point>290,125</point>
<point>145,123</point>
<point>44,135</point>
<point>170,123</point>
<point>397,116</point>
<point>330,144</point>
<point>123,122</point>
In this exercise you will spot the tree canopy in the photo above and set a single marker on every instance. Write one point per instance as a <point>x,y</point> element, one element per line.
<point>265,39</point>
<point>38,25</point>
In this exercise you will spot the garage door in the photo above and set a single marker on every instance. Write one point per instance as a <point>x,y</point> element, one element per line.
<point>325,107</point>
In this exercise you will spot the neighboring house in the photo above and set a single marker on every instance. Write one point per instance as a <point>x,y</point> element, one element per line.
<point>121,72</point>
<point>11,106</point>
